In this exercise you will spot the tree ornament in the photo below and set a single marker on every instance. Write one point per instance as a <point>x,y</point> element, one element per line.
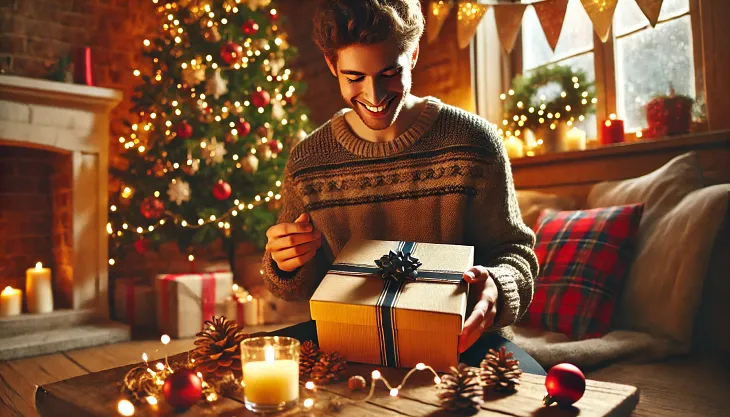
<point>565,385</point>
<point>158,169</point>
<point>398,266</point>
<point>243,127</point>
<point>211,34</point>
<point>356,383</point>
<point>275,146</point>
<point>221,190</point>
<point>264,152</point>
<point>500,371</point>
<point>273,14</point>
<point>309,354</point>
<point>330,367</point>
<point>262,131</point>
<point>250,163</point>
<point>277,110</point>
<point>193,75</point>
<point>152,208</point>
<point>255,4</point>
<point>250,27</point>
<point>218,347</point>
<point>214,152</point>
<point>182,389</point>
<point>231,52</point>
<point>184,130</point>
<point>276,65</point>
<point>142,246</point>
<point>191,166</point>
<point>260,98</point>
<point>178,191</point>
<point>461,390</point>
<point>217,85</point>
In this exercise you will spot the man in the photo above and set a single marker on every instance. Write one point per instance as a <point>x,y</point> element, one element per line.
<point>398,167</point>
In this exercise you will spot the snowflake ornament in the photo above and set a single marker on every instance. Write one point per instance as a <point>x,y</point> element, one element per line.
<point>217,85</point>
<point>277,110</point>
<point>193,76</point>
<point>214,151</point>
<point>178,191</point>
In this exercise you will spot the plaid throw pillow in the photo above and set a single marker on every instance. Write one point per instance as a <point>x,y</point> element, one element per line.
<point>584,258</point>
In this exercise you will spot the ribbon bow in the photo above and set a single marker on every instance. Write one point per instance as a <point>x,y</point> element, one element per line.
<point>398,266</point>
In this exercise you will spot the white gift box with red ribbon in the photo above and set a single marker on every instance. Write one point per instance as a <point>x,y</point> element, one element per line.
<point>134,303</point>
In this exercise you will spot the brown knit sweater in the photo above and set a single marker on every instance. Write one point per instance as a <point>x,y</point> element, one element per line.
<point>446,179</point>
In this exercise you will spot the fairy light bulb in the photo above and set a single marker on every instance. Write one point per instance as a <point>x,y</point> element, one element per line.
<point>376,374</point>
<point>309,385</point>
<point>394,392</point>
<point>125,408</point>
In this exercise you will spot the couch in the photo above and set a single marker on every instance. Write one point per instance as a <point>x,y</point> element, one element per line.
<point>671,330</point>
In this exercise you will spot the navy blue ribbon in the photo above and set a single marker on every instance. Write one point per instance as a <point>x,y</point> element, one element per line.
<point>385,307</point>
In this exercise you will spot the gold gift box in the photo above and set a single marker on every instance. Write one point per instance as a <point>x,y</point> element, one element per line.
<point>394,323</point>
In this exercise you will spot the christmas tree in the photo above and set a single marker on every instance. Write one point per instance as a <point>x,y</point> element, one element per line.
<point>213,121</point>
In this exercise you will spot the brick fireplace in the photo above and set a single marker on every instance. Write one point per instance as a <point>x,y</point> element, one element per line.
<point>54,140</point>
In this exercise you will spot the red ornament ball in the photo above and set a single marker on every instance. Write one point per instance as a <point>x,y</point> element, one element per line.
<point>275,145</point>
<point>250,27</point>
<point>221,190</point>
<point>565,385</point>
<point>184,130</point>
<point>152,208</point>
<point>231,52</point>
<point>182,389</point>
<point>142,246</point>
<point>243,127</point>
<point>273,14</point>
<point>260,98</point>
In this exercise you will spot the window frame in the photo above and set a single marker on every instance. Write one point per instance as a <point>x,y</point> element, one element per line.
<point>605,64</point>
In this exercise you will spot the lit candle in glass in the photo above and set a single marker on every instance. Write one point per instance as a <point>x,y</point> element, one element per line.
<point>11,301</point>
<point>270,373</point>
<point>38,291</point>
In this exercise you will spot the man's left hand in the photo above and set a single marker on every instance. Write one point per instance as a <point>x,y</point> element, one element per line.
<point>485,309</point>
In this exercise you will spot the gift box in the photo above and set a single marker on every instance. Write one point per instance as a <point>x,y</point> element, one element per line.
<point>371,313</point>
<point>134,303</point>
<point>186,301</point>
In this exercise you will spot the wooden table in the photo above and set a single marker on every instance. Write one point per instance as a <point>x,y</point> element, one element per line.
<point>97,394</point>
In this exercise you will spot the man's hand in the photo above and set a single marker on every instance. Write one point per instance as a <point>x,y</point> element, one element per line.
<point>293,244</point>
<point>485,308</point>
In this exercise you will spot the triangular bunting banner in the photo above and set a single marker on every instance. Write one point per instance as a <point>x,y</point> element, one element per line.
<point>601,14</point>
<point>438,11</point>
<point>651,9</point>
<point>552,16</point>
<point>468,17</point>
<point>509,20</point>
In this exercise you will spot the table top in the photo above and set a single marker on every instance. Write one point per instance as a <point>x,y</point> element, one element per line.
<point>98,394</point>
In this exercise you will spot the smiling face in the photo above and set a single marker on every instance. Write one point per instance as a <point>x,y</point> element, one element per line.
<point>374,80</point>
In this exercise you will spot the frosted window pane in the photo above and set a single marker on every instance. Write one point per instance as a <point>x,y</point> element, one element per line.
<point>629,17</point>
<point>576,36</point>
<point>647,62</point>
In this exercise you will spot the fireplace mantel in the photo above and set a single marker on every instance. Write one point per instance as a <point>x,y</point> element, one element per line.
<point>73,120</point>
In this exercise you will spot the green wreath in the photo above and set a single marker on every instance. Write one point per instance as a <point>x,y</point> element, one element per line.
<point>525,110</point>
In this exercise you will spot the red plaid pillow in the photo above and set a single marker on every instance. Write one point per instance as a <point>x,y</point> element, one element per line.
<point>584,257</point>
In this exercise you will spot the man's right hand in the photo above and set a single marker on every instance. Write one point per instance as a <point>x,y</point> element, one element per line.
<point>293,244</point>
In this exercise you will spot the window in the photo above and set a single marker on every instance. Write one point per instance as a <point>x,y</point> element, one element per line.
<point>647,61</point>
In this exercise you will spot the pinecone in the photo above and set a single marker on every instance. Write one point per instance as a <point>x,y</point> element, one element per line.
<point>309,354</point>
<point>329,368</point>
<point>218,347</point>
<point>499,371</point>
<point>461,389</point>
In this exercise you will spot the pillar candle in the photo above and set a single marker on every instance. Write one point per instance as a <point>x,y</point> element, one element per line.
<point>39,294</point>
<point>575,140</point>
<point>251,312</point>
<point>612,131</point>
<point>11,301</point>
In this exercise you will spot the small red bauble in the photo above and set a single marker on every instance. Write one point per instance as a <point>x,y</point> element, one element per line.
<point>565,385</point>
<point>184,130</point>
<point>221,190</point>
<point>260,98</point>
<point>250,27</point>
<point>152,208</point>
<point>243,127</point>
<point>142,246</point>
<point>231,52</point>
<point>275,146</point>
<point>273,14</point>
<point>182,389</point>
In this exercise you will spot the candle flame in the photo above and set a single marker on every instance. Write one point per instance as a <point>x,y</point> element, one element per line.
<point>612,116</point>
<point>8,290</point>
<point>38,266</point>
<point>269,353</point>
<point>249,298</point>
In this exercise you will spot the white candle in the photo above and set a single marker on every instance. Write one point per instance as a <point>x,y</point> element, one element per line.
<point>251,314</point>
<point>11,301</point>
<point>514,147</point>
<point>39,294</point>
<point>575,140</point>
<point>271,382</point>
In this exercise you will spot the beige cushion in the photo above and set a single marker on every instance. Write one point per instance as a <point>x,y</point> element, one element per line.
<point>531,203</point>
<point>676,236</point>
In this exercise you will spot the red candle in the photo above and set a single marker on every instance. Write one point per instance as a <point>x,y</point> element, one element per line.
<point>82,66</point>
<point>612,131</point>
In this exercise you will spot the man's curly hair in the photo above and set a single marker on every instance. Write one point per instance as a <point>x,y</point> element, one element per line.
<point>341,23</point>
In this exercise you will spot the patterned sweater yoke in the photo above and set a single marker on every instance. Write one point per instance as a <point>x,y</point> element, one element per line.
<point>446,179</point>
